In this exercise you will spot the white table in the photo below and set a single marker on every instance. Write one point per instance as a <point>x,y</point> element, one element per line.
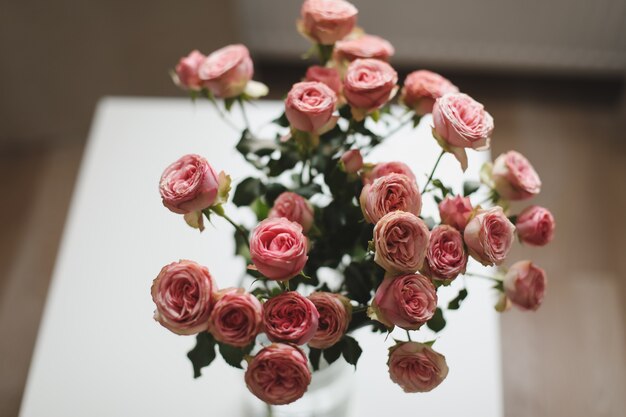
<point>99,352</point>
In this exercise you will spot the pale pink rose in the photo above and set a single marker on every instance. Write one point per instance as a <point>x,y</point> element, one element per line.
<point>189,184</point>
<point>369,84</point>
<point>489,236</point>
<point>227,71</point>
<point>237,317</point>
<point>328,76</point>
<point>385,168</point>
<point>525,285</point>
<point>335,314</point>
<point>278,374</point>
<point>535,226</point>
<point>455,211</point>
<point>327,21</point>
<point>401,240</point>
<point>290,317</point>
<point>352,161</point>
<point>446,257</point>
<point>184,298</point>
<point>422,88</point>
<point>390,193</point>
<point>309,106</point>
<point>278,248</point>
<point>295,208</point>
<point>407,301</point>
<point>366,46</point>
<point>514,177</point>
<point>416,367</point>
<point>187,70</point>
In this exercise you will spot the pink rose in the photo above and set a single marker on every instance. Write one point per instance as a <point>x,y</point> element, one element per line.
<point>401,240</point>
<point>385,168</point>
<point>525,285</point>
<point>514,177</point>
<point>352,161</point>
<point>366,46</point>
<point>189,184</point>
<point>327,21</point>
<point>446,257</point>
<point>295,208</point>
<point>328,76</point>
<point>416,367</point>
<point>309,107</point>
<point>290,317</point>
<point>227,71</point>
<point>335,313</point>
<point>407,301</point>
<point>369,84</point>
<point>455,211</point>
<point>278,248</point>
<point>390,193</point>
<point>489,236</point>
<point>535,226</point>
<point>236,318</point>
<point>422,88</point>
<point>187,71</point>
<point>278,374</point>
<point>183,294</point>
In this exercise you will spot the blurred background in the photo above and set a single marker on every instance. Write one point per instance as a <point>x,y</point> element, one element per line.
<point>550,72</point>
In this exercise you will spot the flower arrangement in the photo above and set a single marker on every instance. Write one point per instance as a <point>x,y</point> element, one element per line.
<point>318,204</point>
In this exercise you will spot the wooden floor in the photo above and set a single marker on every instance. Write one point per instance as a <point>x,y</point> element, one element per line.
<point>568,359</point>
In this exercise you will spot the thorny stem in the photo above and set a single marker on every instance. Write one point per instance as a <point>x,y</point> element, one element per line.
<point>432,173</point>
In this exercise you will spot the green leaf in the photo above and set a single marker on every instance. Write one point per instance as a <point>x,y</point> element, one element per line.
<point>314,358</point>
<point>357,283</point>
<point>203,353</point>
<point>281,120</point>
<point>444,190</point>
<point>234,355</point>
<point>438,322</point>
<point>334,352</point>
<point>228,103</point>
<point>273,190</point>
<point>438,199</point>
<point>247,191</point>
<point>416,120</point>
<point>513,219</point>
<point>470,187</point>
<point>259,208</point>
<point>455,303</point>
<point>351,350</point>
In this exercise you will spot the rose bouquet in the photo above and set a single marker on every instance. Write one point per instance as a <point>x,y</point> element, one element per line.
<point>319,205</point>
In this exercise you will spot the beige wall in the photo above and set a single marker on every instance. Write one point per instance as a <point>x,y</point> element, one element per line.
<point>58,57</point>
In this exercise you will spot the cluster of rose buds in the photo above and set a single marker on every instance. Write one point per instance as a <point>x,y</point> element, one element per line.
<point>356,82</point>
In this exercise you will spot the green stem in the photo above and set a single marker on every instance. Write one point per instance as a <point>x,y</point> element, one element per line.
<point>270,411</point>
<point>224,117</point>
<point>220,212</point>
<point>471,274</point>
<point>244,115</point>
<point>408,335</point>
<point>432,173</point>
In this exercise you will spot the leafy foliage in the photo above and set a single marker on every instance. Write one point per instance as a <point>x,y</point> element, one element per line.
<point>203,353</point>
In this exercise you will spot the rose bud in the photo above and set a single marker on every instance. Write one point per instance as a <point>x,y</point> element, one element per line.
<point>535,226</point>
<point>278,248</point>
<point>489,236</point>
<point>295,208</point>
<point>335,314</point>
<point>525,285</point>
<point>416,367</point>
<point>183,294</point>
<point>290,317</point>
<point>461,122</point>
<point>227,71</point>
<point>422,88</point>
<point>327,21</point>
<point>236,318</point>
<point>366,46</point>
<point>352,161</point>
<point>279,374</point>
<point>455,211</point>
<point>368,85</point>
<point>309,107</point>
<point>189,184</point>
<point>401,240</point>
<point>390,193</point>
<point>328,76</point>
<point>514,178</point>
<point>187,71</point>
<point>446,257</point>
<point>385,168</point>
<point>407,301</point>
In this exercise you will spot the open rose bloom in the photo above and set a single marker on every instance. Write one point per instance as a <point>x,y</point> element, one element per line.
<point>295,208</point>
<point>385,168</point>
<point>327,21</point>
<point>368,85</point>
<point>445,257</point>
<point>401,241</point>
<point>525,285</point>
<point>187,71</point>
<point>309,107</point>
<point>188,185</point>
<point>514,178</point>
<point>236,318</point>
<point>390,193</point>
<point>226,72</point>
<point>416,367</point>
<point>489,236</point>
<point>456,211</point>
<point>422,88</point>
<point>366,46</point>
<point>291,318</point>
<point>535,226</point>
<point>335,312</point>
<point>325,75</point>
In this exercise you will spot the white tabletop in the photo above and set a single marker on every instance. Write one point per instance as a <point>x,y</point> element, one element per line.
<point>99,352</point>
